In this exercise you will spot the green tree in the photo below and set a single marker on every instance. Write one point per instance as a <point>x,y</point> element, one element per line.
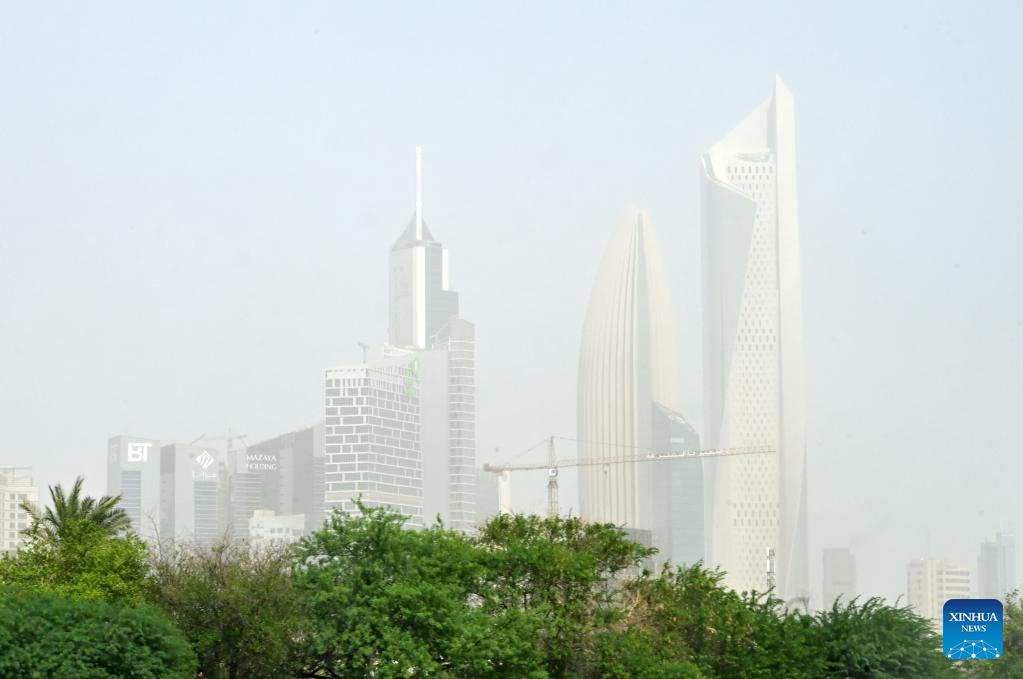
<point>42,635</point>
<point>565,574</point>
<point>76,549</point>
<point>695,620</point>
<point>85,562</point>
<point>384,601</point>
<point>238,608</point>
<point>874,640</point>
<point>69,510</point>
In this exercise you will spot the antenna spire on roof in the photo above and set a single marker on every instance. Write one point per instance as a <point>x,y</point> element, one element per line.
<point>419,193</point>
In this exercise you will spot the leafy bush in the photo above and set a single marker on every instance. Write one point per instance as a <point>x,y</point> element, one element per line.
<point>43,635</point>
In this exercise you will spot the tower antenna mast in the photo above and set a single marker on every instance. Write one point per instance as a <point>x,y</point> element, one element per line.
<point>419,193</point>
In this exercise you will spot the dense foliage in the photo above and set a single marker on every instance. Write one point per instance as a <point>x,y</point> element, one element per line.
<point>44,635</point>
<point>365,597</point>
<point>74,550</point>
<point>238,608</point>
<point>85,563</point>
<point>388,602</point>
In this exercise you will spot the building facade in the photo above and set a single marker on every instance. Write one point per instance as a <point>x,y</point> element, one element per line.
<point>996,567</point>
<point>753,351</point>
<point>425,322</point>
<point>16,487</point>
<point>628,403</point>
<point>193,494</point>
<point>678,524</point>
<point>839,577</point>
<point>283,474</point>
<point>932,582</point>
<point>267,529</point>
<point>371,442</point>
<point>447,399</point>
<point>420,302</point>
<point>133,472</point>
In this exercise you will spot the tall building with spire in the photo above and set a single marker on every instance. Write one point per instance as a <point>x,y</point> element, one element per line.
<point>424,321</point>
<point>420,301</point>
<point>753,351</point>
<point>628,400</point>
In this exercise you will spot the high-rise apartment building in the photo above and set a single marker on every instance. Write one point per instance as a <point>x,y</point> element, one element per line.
<point>839,577</point>
<point>424,321</point>
<point>996,567</point>
<point>15,488</point>
<point>753,351</point>
<point>628,403</point>
<point>371,443</point>
<point>932,582</point>
<point>133,472</point>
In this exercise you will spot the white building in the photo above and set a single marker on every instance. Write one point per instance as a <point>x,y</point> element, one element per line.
<point>133,472</point>
<point>420,301</point>
<point>628,399</point>
<point>372,447</point>
<point>996,567</point>
<point>931,582</point>
<point>753,351</point>
<point>15,487</point>
<point>424,321</point>
<point>268,529</point>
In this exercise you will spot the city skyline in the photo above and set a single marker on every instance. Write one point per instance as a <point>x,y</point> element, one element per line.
<point>182,227</point>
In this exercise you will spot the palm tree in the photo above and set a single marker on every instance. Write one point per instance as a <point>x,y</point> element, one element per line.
<point>72,510</point>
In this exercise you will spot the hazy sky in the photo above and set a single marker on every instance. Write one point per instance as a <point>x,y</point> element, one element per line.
<point>196,206</point>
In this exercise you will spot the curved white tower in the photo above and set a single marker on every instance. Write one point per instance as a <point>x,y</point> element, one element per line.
<point>753,351</point>
<point>627,364</point>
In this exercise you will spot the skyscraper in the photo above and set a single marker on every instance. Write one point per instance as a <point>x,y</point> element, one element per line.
<point>372,437</point>
<point>420,301</point>
<point>133,472</point>
<point>678,525</point>
<point>627,400</point>
<point>753,350</point>
<point>996,567</point>
<point>283,474</point>
<point>424,322</point>
<point>193,497</point>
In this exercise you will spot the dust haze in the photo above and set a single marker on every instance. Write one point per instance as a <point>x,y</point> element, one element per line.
<point>197,206</point>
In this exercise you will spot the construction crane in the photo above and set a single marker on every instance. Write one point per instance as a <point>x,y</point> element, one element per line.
<point>503,472</point>
<point>230,438</point>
